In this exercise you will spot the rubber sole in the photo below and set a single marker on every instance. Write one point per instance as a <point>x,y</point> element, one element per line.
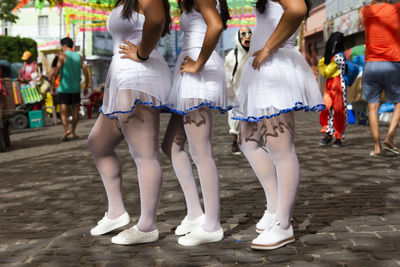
<point>111,229</point>
<point>273,246</point>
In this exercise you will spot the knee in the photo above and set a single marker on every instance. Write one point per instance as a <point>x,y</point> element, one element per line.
<point>282,153</point>
<point>91,143</point>
<point>94,146</point>
<point>199,155</point>
<point>245,147</point>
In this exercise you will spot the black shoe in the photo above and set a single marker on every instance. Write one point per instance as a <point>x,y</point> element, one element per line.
<point>325,141</point>
<point>236,149</point>
<point>337,143</point>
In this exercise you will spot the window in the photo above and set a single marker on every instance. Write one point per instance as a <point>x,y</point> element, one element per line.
<point>43,25</point>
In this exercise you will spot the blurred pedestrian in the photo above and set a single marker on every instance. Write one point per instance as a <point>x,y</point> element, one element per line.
<point>28,68</point>
<point>382,67</point>
<point>234,62</point>
<point>69,66</point>
<point>332,66</point>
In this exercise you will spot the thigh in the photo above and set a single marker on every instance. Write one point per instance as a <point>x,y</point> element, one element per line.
<point>198,126</point>
<point>371,82</point>
<point>105,135</point>
<point>75,98</point>
<point>391,77</point>
<point>140,129</point>
<point>64,99</point>
<point>279,134</point>
<point>251,134</point>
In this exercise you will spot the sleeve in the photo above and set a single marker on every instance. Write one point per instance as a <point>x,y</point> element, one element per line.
<point>229,65</point>
<point>341,63</point>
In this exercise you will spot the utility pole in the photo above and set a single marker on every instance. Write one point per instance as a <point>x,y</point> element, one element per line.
<point>60,23</point>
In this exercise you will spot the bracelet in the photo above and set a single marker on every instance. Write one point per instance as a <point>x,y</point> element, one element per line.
<point>141,58</point>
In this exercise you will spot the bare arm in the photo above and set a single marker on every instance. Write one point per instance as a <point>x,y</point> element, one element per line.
<point>293,15</point>
<point>153,10</point>
<point>209,12</point>
<point>85,72</point>
<point>57,69</point>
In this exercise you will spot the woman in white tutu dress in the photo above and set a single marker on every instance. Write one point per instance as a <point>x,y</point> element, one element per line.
<point>137,86</point>
<point>198,88</point>
<point>276,81</point>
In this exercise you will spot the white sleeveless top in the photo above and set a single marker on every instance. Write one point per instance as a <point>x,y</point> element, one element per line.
<point>205,88</point>
<point>265,26</point>
<point>194,28</point>
<point>129,82</point>
<point>124,30</point>
<point>285,81</point>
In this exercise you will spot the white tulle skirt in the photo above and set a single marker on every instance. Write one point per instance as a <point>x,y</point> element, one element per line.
<point>285,82</point>
<point>129,82</point>
<point>206,88</point>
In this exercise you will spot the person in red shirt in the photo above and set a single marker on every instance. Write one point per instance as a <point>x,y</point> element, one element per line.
<point>382,67</point>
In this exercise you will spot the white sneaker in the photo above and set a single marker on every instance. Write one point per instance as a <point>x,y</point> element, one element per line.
<point>274,237</point>
<point>267,220</point>
<point>187,225</point>
<point>106,225</point>
<point>198,236</point>
<point>135,236</point>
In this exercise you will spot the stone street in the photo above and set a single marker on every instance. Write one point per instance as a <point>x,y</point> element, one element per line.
<point>347,211</point>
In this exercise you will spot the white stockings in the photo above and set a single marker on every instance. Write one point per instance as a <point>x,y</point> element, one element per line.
<point>269,147</point>
<point>197,126</point>
<point>140,130</point>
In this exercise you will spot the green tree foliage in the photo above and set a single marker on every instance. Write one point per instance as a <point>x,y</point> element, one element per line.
<point>6,7</point>
<point>12,48</point>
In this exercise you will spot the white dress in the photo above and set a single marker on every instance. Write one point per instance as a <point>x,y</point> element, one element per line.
<point>206,88</point>
<point>129,82</point>
<point>285,81</point>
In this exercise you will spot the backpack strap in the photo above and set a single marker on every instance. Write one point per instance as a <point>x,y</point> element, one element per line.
<point>236,62</point>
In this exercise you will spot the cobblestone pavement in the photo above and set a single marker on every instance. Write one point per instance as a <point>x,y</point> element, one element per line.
<point>347,211</point>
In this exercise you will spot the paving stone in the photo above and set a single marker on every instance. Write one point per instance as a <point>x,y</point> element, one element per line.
<point>347,210</point>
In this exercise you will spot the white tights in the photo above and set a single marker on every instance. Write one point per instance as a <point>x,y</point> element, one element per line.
<point>196,126</point>
<point>269,147</point>
<point>140,130</point>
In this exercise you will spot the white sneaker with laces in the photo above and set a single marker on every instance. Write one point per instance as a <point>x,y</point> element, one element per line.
<point>265,222</point>
<point>198,236</point>
<point>135,236</point>
<point>187,225</point>
<point>106,225</point>
<point>273,237</point>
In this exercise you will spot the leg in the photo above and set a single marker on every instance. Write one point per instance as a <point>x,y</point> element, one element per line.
<point>198,126</point>
<point>75,119</point>
<point>173,146</point>
<point>280,145</point>
<point>394,122</point>
<point>374,124</point>
<point>234,131</point>
<point>251,143</point>
<point>103,138</point>
<point>140,129</point>
<point>339,109</point>
<point>64,120</point>
<point>326,116</point>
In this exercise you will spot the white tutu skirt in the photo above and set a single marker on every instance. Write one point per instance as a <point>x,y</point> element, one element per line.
<point>285,82</point>
<point>129,82</point>
<point>206,88</point>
